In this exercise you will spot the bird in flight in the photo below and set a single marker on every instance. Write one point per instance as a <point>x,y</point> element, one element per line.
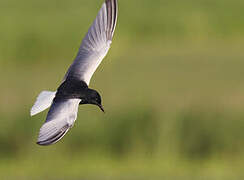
<point>74,90</point>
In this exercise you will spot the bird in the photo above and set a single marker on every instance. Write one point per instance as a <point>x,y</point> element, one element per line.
<point>74,89</point>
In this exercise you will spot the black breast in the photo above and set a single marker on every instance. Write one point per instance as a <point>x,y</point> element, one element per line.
<point>70,89</point>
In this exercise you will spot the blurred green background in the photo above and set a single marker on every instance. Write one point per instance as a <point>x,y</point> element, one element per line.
<point>172,86</point>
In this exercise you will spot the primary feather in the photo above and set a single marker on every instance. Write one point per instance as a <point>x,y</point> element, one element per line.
<point>60,119</point>
<point>96,43</point>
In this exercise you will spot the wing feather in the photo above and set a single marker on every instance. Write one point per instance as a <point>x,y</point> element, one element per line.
<point>60,119</point>
<point>96,43</point>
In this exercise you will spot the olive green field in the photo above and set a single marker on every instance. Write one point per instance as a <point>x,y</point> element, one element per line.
<point>172,86</point>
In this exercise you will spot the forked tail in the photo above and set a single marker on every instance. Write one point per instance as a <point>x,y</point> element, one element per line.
<point>43,101</point>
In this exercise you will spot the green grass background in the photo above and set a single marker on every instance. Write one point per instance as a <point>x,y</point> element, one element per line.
<point>172,86</point>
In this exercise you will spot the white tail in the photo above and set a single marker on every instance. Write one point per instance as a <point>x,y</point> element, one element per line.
<point>43,101</point>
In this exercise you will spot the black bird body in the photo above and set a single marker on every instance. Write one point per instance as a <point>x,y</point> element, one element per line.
<point>74,90</point>
<point>71,89</point>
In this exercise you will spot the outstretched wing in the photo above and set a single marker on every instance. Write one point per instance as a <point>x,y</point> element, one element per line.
<point>60,119</point>
<point>96,43</point>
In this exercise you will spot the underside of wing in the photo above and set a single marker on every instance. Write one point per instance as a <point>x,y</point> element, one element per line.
<point>96,43</point>
<point>60,119</point>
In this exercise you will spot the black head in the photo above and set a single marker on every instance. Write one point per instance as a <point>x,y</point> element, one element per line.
<point>92,97</point>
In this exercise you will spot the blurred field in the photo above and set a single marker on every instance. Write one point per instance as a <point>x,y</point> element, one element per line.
<point>172,87</point>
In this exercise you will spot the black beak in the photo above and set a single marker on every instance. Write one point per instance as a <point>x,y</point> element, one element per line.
<point>101,107</point>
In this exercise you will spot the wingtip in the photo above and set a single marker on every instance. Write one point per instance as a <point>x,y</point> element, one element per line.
<point>46,140</point>
<point>112,10</point>
<point>45,143</point>
<point>41,144</point>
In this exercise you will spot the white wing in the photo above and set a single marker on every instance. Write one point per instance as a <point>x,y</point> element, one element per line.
<point>96,43</point>
<point>60,119</point>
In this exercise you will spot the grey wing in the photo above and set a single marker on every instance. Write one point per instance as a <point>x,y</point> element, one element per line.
<point>60,119</point>
<point>96,43</point>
